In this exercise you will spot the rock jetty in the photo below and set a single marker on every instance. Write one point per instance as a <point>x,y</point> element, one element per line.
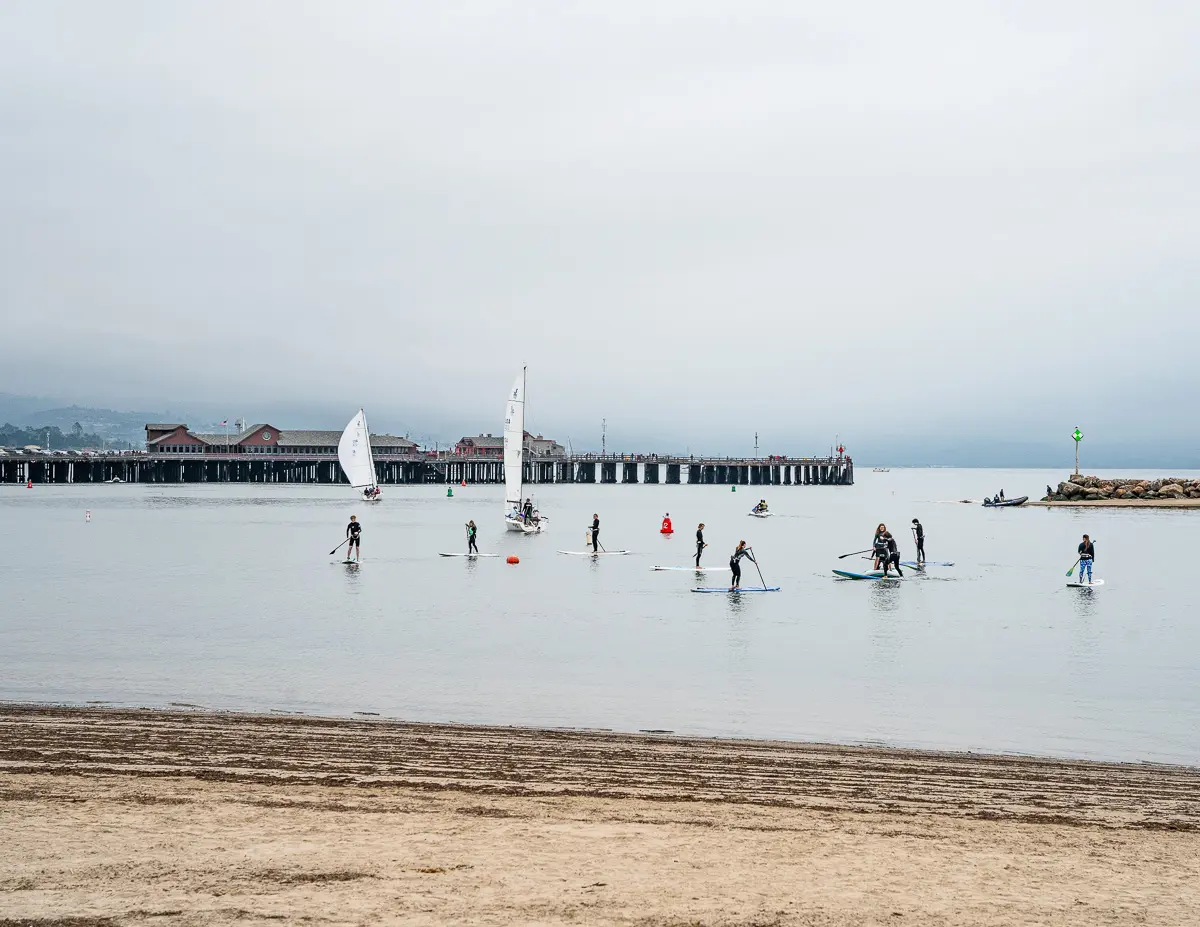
<point>1092,488</point>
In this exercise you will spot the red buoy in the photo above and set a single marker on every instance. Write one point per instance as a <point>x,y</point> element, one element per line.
<point>29,485</point>
<point>666,526</point>
<point>513,560</point>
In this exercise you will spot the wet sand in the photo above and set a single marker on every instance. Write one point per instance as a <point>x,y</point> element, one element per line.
<point>143,817</point>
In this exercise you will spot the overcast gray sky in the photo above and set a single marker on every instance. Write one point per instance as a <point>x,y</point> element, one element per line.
<point>694,219</point>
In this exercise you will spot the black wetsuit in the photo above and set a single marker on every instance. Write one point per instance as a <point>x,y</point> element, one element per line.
<point>699,546</point>
<point>471,539</point>
<point>893,553</point>
<point>527,512</point>
<point>353,530</point>
<point>595,534</point>
<point>880,550</point>
<point>736,567</point>
<point>919,531</point>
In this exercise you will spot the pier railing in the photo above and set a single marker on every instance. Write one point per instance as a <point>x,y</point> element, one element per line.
<point>428,468</point>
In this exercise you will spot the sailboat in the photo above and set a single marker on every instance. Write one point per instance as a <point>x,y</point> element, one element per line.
<point>514,459</point>
<point>354,454</point>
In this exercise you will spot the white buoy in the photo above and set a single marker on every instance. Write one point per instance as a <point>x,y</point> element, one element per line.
<point>87,515</point>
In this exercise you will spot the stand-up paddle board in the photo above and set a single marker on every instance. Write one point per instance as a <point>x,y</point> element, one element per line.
<point>1079,585</point>
<point>913,565</point>
<point>877,575</point>
<point>472,556</point>
<point>741,589</point>
<point>694,569</point>
<point>598,553</point>
<point>350,562</point>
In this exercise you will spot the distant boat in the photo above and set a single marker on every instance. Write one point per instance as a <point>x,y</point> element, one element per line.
<point>880,470</point>
<point>1005,503</point>
<point>514,461</point>
<point>354,455</point>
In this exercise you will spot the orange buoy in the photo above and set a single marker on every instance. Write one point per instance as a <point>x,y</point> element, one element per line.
<point>513,560</point>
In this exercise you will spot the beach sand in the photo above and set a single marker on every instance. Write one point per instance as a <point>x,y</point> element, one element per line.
<point>197,818</point>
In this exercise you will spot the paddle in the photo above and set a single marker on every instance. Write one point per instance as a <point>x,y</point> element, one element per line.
<point>853,552</point>
<point>335,550</point>
<point>757,567</point>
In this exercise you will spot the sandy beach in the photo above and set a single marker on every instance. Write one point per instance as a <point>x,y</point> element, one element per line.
<point>149,817</point>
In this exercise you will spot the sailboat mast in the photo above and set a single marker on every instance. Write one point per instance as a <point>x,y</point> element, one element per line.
<point>524,406</point>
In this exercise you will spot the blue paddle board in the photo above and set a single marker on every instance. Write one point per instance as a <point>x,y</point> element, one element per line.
<point>742,589</point>
<point>846,574</point>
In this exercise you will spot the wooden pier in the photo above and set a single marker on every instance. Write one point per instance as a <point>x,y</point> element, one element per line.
<point>427,468</point>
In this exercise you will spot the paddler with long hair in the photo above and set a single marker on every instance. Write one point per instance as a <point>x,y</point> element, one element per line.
<point>739,552</point>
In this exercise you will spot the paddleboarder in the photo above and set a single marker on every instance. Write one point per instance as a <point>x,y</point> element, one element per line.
<point>1087,554</point>
<point>353,530</point>
<point>919,536</point>
<point>595,532</point>
<point>893,554</point>
<point>878,547</point>
<point>739,552</point>
<point>700,545</point>
<point>471,531</point>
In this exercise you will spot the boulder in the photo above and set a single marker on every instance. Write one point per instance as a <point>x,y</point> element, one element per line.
<point>1174,490</point>
<point>1070,490</point>
<point>1121,492</point>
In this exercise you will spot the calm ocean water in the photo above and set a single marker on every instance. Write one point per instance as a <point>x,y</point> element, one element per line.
<point>224,597</point>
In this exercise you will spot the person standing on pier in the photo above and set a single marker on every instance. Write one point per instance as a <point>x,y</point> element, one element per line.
<point>700,545</point>
<point>595,532</point>
<point>919,537</point>
<point>739,552</point>
<point>471,531</point>
<point>1087,554</point>
<point>353,530</point>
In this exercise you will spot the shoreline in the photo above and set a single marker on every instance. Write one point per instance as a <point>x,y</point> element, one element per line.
<point>195,817</point>
<point>1119,503</point>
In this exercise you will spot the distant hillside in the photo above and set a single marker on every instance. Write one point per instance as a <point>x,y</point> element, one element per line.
<point>51,437</point>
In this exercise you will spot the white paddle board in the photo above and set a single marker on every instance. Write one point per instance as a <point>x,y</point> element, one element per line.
<point>472,556</point>
<point>726,589</point>
<point>599,553</point>
<point>1076,583</point>
<point>708,569</point>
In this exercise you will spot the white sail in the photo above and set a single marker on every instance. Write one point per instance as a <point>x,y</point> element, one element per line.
<point>354,453</point>
<point>514,443</point>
